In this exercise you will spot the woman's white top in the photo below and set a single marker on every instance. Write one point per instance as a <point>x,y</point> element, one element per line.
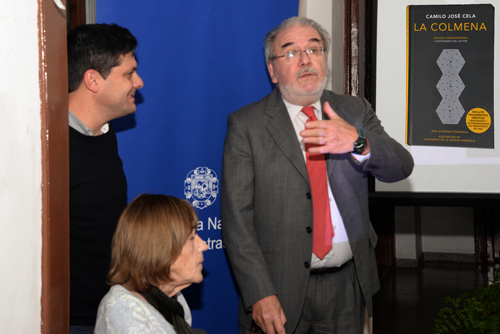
<point>122,311</point>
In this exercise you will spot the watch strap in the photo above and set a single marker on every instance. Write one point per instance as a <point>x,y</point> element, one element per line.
<point>360,144</point>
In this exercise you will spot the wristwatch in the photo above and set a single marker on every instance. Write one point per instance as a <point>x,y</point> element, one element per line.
<point>360,143</point>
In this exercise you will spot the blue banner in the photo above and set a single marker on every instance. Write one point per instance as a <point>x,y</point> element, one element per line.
<point>200,61</point>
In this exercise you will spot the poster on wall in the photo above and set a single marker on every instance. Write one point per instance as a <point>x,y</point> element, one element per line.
<point>450,59</point>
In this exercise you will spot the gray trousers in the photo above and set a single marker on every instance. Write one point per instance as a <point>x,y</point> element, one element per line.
<point>334,304</point>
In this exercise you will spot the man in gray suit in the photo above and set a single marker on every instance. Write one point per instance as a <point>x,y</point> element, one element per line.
<point>268,197</point>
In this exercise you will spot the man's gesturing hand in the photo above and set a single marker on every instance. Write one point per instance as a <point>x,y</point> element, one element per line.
<point>269,316</point>
<point>333,136</point>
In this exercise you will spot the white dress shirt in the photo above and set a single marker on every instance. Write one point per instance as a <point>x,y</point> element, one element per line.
<point>341,250</point>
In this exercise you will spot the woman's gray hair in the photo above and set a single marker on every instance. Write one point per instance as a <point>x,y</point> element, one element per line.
<point>294,21</point>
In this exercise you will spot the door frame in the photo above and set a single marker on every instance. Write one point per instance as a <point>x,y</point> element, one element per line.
<point>53,81</point>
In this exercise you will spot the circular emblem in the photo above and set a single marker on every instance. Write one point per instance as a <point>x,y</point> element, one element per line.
<point>201,187</point>
<point>478,120</point>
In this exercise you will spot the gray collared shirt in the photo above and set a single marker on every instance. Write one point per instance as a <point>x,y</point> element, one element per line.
<point>78,125</point>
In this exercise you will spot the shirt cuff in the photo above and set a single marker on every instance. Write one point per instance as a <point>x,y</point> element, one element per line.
<point>360,157</point>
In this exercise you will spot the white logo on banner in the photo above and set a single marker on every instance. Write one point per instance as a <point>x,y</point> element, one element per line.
<point>201,187</point>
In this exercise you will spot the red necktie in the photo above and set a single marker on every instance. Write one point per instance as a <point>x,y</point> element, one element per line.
<point>316,168</point>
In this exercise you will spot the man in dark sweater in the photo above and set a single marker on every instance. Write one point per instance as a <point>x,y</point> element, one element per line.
<point>103,80</point>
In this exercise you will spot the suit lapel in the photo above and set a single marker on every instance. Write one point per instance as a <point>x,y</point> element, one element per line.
<point>281,129</point>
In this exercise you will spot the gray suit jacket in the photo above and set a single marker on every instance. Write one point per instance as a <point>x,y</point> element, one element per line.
<point>266,208</point>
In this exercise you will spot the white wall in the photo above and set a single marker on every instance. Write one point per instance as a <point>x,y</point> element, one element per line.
<point>20,169</point>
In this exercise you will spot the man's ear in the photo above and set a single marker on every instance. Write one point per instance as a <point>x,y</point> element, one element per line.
<point>92,80</point>
<point>270,68</point>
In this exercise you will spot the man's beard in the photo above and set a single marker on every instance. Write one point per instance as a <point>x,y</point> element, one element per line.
<point>295,95</point>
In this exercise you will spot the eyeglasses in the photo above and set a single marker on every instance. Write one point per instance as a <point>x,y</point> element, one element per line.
<point>295,54</point>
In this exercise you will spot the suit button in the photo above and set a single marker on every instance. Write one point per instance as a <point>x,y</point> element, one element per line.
<point>308,229</point>
<point>306,264</point>
<point>308,195</point>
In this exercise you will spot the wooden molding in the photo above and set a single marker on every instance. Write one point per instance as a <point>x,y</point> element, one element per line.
<point>76,13</point>
<point>368,49</point>
<point>357,65</point>
<point>53,74</point>
<point>351,47</point>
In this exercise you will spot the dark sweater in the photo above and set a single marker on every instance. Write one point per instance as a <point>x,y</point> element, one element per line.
<point>98,195</point>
